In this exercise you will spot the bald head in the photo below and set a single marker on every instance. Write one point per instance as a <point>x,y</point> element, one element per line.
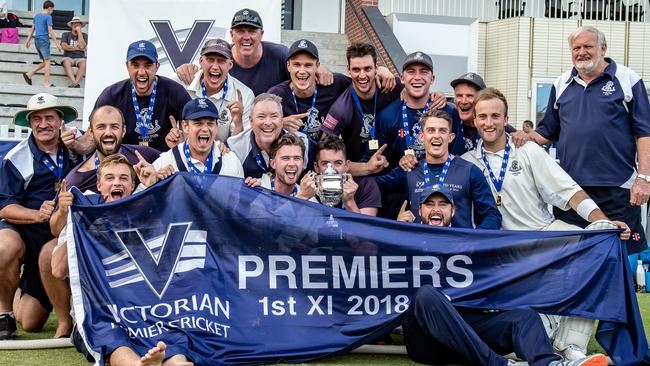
<point>103,112</point>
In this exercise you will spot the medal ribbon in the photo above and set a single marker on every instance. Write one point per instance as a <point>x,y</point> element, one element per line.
<point>357,103</point>
<point>312,110</point>
<point>141,123</point>
<point>58,170</point>
<point>441,177</point>
<point>223,96</point>
<point>194,168</point>
<point>410,139</point>
<point>498,182</point>
<point>261,163</point>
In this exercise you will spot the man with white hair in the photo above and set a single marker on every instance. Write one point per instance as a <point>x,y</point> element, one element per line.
<point>599,114</point>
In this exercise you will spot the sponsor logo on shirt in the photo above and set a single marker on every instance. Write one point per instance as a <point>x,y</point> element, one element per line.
<point>330,122</point>
<point>608,89</point>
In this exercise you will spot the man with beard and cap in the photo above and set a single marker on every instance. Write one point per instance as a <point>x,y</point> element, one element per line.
<point>253,147</point>
<point>599,115</point>
<point>232,98</point>
<point>200,153</point>
<point>305,103</point>
<point>150,103</point>
<point>436,207</point>
<point>30,176</point>
<point>525,181</point>
<point>107,130</point>
<point>253,57</point>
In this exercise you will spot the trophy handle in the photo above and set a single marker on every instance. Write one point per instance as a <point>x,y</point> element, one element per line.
<point>314,176</point>
<point>346,177</point>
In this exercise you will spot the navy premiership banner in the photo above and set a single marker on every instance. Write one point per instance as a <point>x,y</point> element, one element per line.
<point>226,274</point>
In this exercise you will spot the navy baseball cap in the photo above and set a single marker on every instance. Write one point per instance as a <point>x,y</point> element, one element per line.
<point>436,188</point>
<point>469,78</point>
<point>303,45</point>
<point>142,48</point>
<point>246,17</point>
<point>200,108</point>
<point>216,45</point>
<point>418,58</point>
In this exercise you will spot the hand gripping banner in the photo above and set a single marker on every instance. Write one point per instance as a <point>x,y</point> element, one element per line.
<point>226,274</point>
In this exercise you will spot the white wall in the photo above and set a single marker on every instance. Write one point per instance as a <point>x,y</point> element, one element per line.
<point>322,16</point>
<point>452,43</point>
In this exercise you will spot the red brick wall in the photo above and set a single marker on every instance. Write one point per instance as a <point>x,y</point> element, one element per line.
<point>358,29</point>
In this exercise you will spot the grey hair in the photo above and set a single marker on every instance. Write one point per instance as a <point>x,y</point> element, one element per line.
<point>587,28</point>
<point>267,97</point>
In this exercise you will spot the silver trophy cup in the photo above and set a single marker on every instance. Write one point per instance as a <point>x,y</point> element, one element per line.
<point>329,186</point>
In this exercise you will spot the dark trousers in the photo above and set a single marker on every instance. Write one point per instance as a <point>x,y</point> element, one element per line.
<point>435,332</point>
<point>615,203</point>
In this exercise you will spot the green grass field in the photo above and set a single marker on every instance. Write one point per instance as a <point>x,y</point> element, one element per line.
<point>69,357</point>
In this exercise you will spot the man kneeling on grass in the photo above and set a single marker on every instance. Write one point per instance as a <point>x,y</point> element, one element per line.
<point>116,180</point>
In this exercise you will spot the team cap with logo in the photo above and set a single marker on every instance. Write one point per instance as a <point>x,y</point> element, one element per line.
<point>303,45</point>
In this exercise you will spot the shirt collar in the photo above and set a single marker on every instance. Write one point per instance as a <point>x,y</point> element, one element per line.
<point>610,71</point>
<point>38,153</point>
<point>195,86</point>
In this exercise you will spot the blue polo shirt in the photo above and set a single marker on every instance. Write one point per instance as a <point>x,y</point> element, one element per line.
<point>596,125</point>
<point>255,161</point>
<point>390,128</point>
<point>25,180</point>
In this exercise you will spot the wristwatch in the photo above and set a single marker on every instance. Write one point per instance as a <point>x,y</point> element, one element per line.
<point>646,178</point>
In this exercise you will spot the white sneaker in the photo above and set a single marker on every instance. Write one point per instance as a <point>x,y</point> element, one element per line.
<point>573,353</point>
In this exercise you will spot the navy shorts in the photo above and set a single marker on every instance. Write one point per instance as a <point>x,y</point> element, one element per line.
<point>615,203</point>
<point>42,45</point>
<point>34,236</point>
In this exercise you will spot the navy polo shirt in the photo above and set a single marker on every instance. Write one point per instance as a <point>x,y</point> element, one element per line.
<point>271,70</point>
<point>255,161</point>
<point>345,119</point>
<point>170,100</point>
<point>596,125</point>
<point>326,96</point>
<point>475,205</point>
<point>25,180</point>
<point>390,127</point>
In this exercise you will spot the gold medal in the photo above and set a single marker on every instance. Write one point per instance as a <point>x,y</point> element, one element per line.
<point>409,152</point>
<point>498,200</point>
<point>144,143</point>
<point>57,186</point>
<point>373,144</point>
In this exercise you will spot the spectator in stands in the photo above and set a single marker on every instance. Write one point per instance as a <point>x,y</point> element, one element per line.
<point>254,57</point>
<point>74,51</point>
<point>151,104</point>
<point>527,126</point>
<point>253,146</point>
<point>42,33</point>
<point>30,176</point>
<point>213,81</point>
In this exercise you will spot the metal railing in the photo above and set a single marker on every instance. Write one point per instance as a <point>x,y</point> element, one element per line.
<point>488,10</point>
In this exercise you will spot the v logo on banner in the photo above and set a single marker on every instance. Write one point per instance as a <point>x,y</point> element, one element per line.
<point>176,53</point>
<point>156,269</point>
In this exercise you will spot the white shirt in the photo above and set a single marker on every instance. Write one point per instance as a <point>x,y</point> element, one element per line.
<point>532,181</point>
<point>230,165</point>
<point>225,119</point>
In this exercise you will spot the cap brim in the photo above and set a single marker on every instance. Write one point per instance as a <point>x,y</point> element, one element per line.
<point>290,55</point>
<point>141,54</point>
<point>409,63</point>
<point>218,52</point>
<point>69,114</point>
<point>201,114</point>
<point>247,23</point>
<point>465,81</point>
